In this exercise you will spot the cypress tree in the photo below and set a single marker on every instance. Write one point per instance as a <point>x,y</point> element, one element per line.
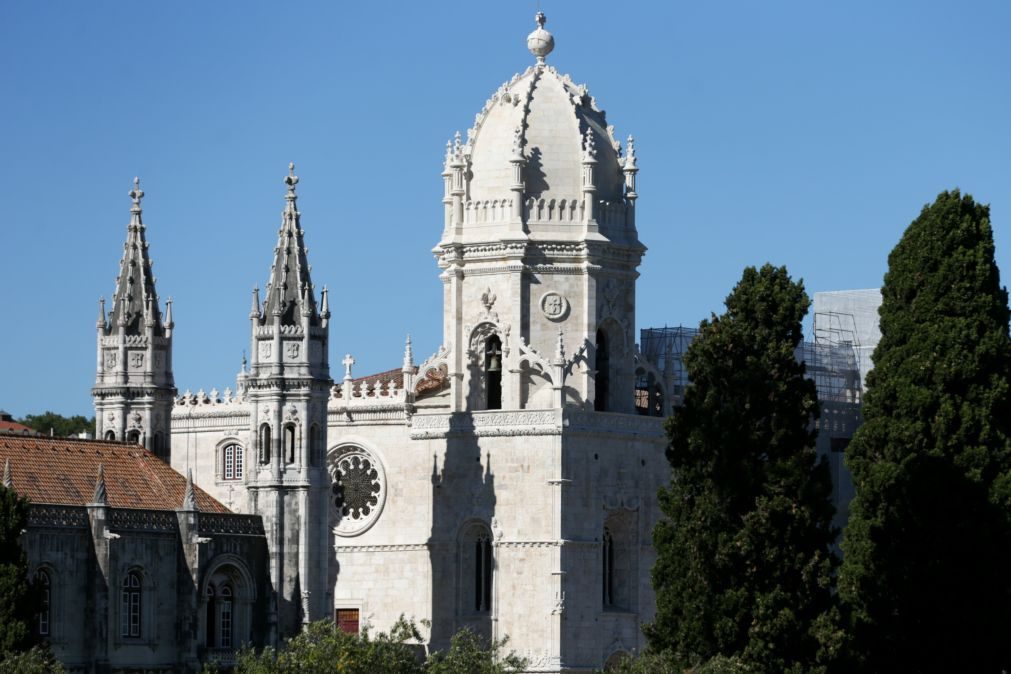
<point>745,565</point>
<point>18,601</point>
<point>925,578</point>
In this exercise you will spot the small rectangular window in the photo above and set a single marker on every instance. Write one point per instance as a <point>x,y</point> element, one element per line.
<point>347,620</point>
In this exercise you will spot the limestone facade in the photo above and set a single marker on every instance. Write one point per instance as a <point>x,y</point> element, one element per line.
<point>506,483</point>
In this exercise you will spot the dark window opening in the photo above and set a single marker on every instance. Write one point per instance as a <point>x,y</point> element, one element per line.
<point>133,437</point>
<point>607,584</point>
<point>42,583</point>
<point>265,440</point>
<point>493,372</point>
<point>110,436</point>
<point>289,443</point>
<point>602,379</point>
<point>347,620</point>
<point>483,573</point>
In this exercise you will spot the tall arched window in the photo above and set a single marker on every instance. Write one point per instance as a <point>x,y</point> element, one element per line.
<point>607,584</point>
<point>225,618</point>
<point>231,462</point>
<point>315,446</point>
<point>289,443</point>
<point>483,572</point>
<point>130,606</point>
<point>265,443</point>
<point>603,377</point>
<point>493,372</point>
<point>43,585</point>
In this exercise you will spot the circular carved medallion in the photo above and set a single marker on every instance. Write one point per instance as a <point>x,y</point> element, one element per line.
<point>358,492</point>
<point>554,305</point>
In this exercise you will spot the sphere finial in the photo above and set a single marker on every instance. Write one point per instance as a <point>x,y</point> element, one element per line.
<point>540,42</point>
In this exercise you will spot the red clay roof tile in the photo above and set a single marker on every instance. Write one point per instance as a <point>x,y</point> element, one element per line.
<point>62,471</point>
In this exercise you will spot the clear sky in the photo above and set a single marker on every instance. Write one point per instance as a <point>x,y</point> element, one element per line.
<point>802,133</point>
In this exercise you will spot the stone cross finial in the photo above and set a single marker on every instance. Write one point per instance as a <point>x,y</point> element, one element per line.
<point>100,495</point>
<point>8,482</point>
<point>347,363</point>
<point>136,193</point>
<point>291,180</point>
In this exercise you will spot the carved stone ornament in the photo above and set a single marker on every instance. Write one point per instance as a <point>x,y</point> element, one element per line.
<point>292,349</point>
<point>358,493</point>
<point>554,306</point>
<point>265,350</point>
<point>110,359</point>
<point>136,420</point>
<point>292,414</point>
<point>137,360</point>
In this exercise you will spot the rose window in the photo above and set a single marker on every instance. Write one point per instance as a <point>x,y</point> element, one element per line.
<point>358,490</point>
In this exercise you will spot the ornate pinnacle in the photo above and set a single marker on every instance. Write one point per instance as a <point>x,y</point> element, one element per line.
<point>324,311</point>
<point>100,495</point>
<point>408,356</point>
<point>560,352</point>
<point>449,155</point>
<point>254,311</point>
<point>518,143</point>
<point>630,155</point>
<point>8,482</point>
<point>101,313</point>
<point>589,147</point>
<point>189,496</point>
<point>168,314</point>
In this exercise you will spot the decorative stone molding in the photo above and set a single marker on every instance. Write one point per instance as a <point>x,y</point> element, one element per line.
<point>487,424</point>
<point>61,516</point>
<point>228,523</point>
<point>396,547</point>
<point>622,424</point>
<point>143,520</point>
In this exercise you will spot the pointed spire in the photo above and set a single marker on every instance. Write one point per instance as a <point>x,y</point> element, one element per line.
<point>540,42</point>
<point>169,323</point>
<point>101,313</point>
<point>254,311</point>
<point>8,482</point>
<point>134,304</point>
<point>325,304</point>
<point>189,496</point>
<point>408,356</point>
<point>100,495</point>
<point>289,292</point>
<point>589,147</point>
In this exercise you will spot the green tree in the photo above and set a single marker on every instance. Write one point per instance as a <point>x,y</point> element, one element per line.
<point>744,561</point>
<point>469,654</point>
<point>59,425</point>
<point>18,601</point>
<point>924,578</point>
<point>323,648</point>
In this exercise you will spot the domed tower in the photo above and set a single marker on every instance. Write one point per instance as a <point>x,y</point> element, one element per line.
<point>539,250</point>
<point>287,387</point>
<point>134,388</point>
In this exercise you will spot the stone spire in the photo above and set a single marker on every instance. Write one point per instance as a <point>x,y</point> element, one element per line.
<point>135,301</point>
<point>8,482</point>
<point>289,292</point>
<point>408,356</point>
<point>100,495</point>
<point>189,496</point>
<point>540,42</point>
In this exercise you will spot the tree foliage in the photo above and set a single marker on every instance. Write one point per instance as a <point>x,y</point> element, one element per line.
<point>744,567</point>
<point>324,648</point>
<point>59,425</point>
<point>925,576</point>
<point>18,601</point>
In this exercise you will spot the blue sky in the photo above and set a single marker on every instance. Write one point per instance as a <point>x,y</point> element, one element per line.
<point>802,133</point>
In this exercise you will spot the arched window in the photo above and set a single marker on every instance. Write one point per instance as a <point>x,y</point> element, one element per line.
<point>265,443</point>
<point>133,437</point>
<point>493,372</point>
<point>484,570</point>
<point>130,606</point>
<point>607,584</point>
<point>225,618</point>
<point>110,436</point>
<point>289,443</point>
<point>231,462</point>
<point>603,377</point>
<point>43,585</point>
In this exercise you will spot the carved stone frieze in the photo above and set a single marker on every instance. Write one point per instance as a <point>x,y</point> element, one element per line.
<point>488,424</point>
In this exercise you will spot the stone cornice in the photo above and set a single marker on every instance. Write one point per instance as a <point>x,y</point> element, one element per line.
<point>487,424</point>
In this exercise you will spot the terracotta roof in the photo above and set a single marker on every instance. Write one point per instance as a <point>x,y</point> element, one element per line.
<point>15,427</point>
<point>62,471</point>
<point>436,380</point>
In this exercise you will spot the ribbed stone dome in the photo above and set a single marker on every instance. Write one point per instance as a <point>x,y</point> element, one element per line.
<point>551,115</point>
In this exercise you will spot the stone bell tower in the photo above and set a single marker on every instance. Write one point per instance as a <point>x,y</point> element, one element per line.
<point>539,250</point>
<point>287,386</point>
<point>134,390</point>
